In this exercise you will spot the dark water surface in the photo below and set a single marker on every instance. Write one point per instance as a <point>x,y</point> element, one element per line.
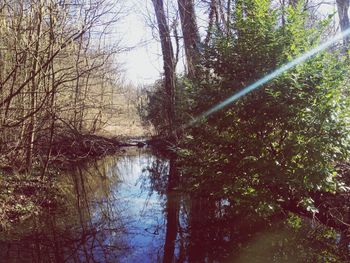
<point>120,209</point>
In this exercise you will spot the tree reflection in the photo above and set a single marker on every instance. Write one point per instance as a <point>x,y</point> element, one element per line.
<point>85,229</point>
<point>205,228</point>
<point>172,213</point>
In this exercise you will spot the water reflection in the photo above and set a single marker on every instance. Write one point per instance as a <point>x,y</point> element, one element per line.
<point>131,209</point>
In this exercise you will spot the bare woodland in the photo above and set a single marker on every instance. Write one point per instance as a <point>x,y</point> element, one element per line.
<point>57,74</point>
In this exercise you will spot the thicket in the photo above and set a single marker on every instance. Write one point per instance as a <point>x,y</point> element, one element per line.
<point>58,76</point>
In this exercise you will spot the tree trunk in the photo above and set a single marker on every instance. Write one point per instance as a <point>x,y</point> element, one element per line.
<point>190,36</point>
<point>33,92</point>
<point>343,8</point>
<point>212,17</point>
<point>169,65</point>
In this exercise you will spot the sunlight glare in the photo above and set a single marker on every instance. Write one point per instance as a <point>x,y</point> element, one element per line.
<point>302,58</point>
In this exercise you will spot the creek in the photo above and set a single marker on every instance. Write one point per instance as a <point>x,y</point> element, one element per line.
<point>120,209</point>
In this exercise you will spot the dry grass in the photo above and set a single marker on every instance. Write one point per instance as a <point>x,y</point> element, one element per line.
<point>126,121</point>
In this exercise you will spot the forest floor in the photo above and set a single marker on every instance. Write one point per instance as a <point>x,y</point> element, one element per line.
<point>126,123</point>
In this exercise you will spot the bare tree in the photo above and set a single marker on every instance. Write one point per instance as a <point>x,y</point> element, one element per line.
<point>343,9</point>
<point>190,36</point>
<point>168,62</point>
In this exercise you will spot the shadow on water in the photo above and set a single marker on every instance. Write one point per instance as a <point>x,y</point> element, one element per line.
<point>131,209</point>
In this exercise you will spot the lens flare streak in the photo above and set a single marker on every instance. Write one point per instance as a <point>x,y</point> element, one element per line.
<point>271,76</point>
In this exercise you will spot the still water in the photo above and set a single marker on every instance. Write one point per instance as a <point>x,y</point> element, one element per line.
<point>122,209</point>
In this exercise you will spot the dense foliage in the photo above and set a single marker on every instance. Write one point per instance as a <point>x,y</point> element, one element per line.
<point>279,146</point>
<point>283,139</point>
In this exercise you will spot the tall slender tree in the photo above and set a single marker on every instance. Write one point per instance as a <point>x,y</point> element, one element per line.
<point>190,36</point>
<point>343,9</point>
<point>168,62</point>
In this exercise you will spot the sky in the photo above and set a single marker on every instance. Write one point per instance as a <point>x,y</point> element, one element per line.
<point>143,62</point>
